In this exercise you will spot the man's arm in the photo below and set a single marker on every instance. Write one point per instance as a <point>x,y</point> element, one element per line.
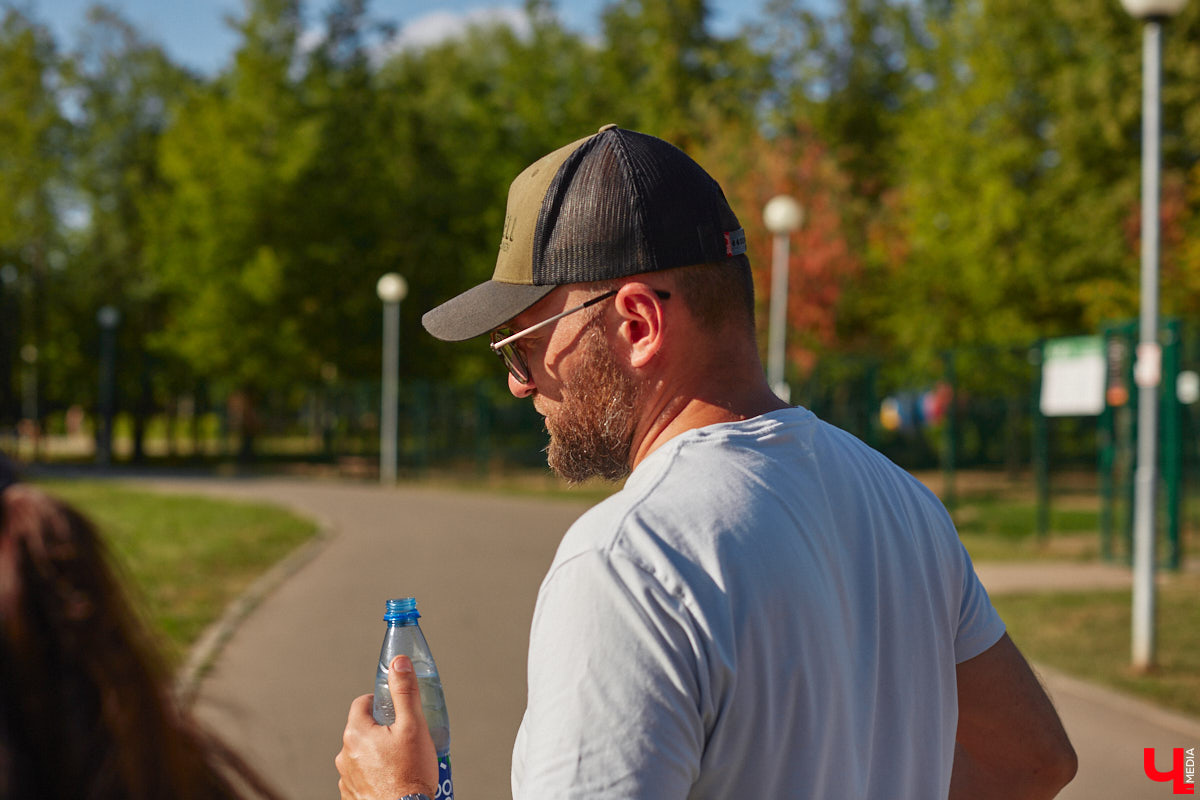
<point>1011,743</point>
<point>380,762</point>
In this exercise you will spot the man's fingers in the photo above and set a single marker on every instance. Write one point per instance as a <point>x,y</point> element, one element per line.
<point>406,693</point>
<point>361,707</point>
<point>410,727</point>
<point>391,761</point>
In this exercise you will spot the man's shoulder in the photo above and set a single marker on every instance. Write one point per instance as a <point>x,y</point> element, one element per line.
<point>600,528</point>
<point>677,493</point>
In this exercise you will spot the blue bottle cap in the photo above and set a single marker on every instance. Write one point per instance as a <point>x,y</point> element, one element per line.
<point>403,608</point>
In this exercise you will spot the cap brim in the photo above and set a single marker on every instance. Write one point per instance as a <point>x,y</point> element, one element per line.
<point>481,309</point>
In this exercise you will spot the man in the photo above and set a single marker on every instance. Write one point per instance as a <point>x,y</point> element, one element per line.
<point>769,608</point>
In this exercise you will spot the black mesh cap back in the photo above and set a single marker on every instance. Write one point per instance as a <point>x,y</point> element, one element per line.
<point>624,203</point>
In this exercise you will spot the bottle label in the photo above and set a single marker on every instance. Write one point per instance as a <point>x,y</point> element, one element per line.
<point>445,788</point>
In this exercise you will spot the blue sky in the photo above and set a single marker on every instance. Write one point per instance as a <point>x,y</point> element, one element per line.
<point>195,35</point>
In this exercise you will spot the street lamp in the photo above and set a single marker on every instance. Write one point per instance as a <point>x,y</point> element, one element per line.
<point>1148,370</point>
<point>391,289</point>
<point>108,318</point>
<point>782,216</point>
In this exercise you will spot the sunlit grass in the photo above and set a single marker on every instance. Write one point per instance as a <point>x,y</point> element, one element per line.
<point>998,528</point>
<point>1087,634</point>
<point>186,557</point>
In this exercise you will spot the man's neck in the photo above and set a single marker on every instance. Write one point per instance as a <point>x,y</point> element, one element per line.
<point>673,413</point>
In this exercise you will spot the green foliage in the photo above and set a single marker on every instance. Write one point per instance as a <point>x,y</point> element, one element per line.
<point>969,170</point>
<point>968,208</point>
<point>222,236</point>
<point>846,76</point>
<point>1015,176</point>
<point>32,139</point>
<point>465,116</point>
<point>121,90</point>
<point>670,76</point>
<point>33,160</point>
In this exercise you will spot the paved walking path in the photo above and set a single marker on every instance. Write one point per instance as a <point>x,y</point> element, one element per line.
<point>292,660</point>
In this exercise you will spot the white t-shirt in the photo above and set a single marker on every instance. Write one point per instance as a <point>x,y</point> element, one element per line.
<point>768,609</point>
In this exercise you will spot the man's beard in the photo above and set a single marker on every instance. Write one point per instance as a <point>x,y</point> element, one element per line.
<point>591,433</point>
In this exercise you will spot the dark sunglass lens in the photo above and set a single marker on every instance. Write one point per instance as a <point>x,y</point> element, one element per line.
<point>516,364</point>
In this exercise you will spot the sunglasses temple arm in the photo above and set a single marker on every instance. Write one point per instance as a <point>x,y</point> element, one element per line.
<point>555,318</point>
<point>595,300</point>
<point>530,329</point>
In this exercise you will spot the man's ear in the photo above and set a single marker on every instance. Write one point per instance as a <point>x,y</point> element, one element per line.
<point>643,323</point>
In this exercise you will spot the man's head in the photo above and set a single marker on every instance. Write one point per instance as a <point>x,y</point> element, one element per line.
<point>600,238</point>
<point>615,204</point>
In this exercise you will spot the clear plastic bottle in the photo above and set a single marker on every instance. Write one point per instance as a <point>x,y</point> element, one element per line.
<point>404,638</point>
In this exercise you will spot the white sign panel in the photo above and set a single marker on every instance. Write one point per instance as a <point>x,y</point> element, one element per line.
<point>1073,372</point>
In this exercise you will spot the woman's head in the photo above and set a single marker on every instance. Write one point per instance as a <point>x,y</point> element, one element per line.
<point>86,708</point>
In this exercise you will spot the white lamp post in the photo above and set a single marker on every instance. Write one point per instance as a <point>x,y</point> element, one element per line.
<point>1148,370</point>
<point>391,289</point>
<point>782,216</point>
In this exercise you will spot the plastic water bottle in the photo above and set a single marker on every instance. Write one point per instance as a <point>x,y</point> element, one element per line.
<point>404,638</point>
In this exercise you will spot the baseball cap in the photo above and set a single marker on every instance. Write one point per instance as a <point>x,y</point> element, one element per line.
<point>613,204</point>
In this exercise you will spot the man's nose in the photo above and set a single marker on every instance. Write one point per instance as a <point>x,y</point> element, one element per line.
<point>518,389</point>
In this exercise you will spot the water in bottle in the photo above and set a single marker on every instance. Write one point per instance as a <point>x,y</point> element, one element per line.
<point>404,638</point>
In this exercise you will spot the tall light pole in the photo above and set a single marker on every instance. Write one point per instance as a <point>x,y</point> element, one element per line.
<point>1148,370</point>
<point>782,216</point>
<point>391,289</point>
<point>108,318</point>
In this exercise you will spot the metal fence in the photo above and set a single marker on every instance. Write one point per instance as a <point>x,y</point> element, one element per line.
<point>975,409</point>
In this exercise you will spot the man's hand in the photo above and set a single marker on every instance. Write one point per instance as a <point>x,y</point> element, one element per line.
<point>385,762</point>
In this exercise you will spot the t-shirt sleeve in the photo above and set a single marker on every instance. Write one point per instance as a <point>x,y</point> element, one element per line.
<point>979,624</point>
<point>612,708</point>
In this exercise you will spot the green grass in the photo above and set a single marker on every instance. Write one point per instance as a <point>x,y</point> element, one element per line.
<point>1088,635</point>
<point>996,526</point>
<point>1002,529</point>
<point>187,557</point>
<point>994,515</point>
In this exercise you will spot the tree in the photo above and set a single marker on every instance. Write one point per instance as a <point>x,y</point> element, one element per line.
<point>345,221</point>
<point>821,260</point>
<point>33,155</point>
<point>670,76</point>
<point>122,90</point>
<point>1020,178</point>
<point>846,76</point>
<point>463,118</point>
<point>231,162</point>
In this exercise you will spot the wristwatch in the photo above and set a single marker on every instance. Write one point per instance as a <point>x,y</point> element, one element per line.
<point>417,796</point>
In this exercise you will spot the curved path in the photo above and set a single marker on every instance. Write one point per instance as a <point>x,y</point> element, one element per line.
<point>280,686</point>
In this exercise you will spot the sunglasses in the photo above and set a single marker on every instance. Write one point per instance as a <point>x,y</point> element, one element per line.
<point>503,338</point>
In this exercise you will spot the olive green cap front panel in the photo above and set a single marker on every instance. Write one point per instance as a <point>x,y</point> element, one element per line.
<point>514,262</point>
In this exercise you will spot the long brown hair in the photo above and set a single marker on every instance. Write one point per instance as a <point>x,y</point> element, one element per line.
<point>86,707</point>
